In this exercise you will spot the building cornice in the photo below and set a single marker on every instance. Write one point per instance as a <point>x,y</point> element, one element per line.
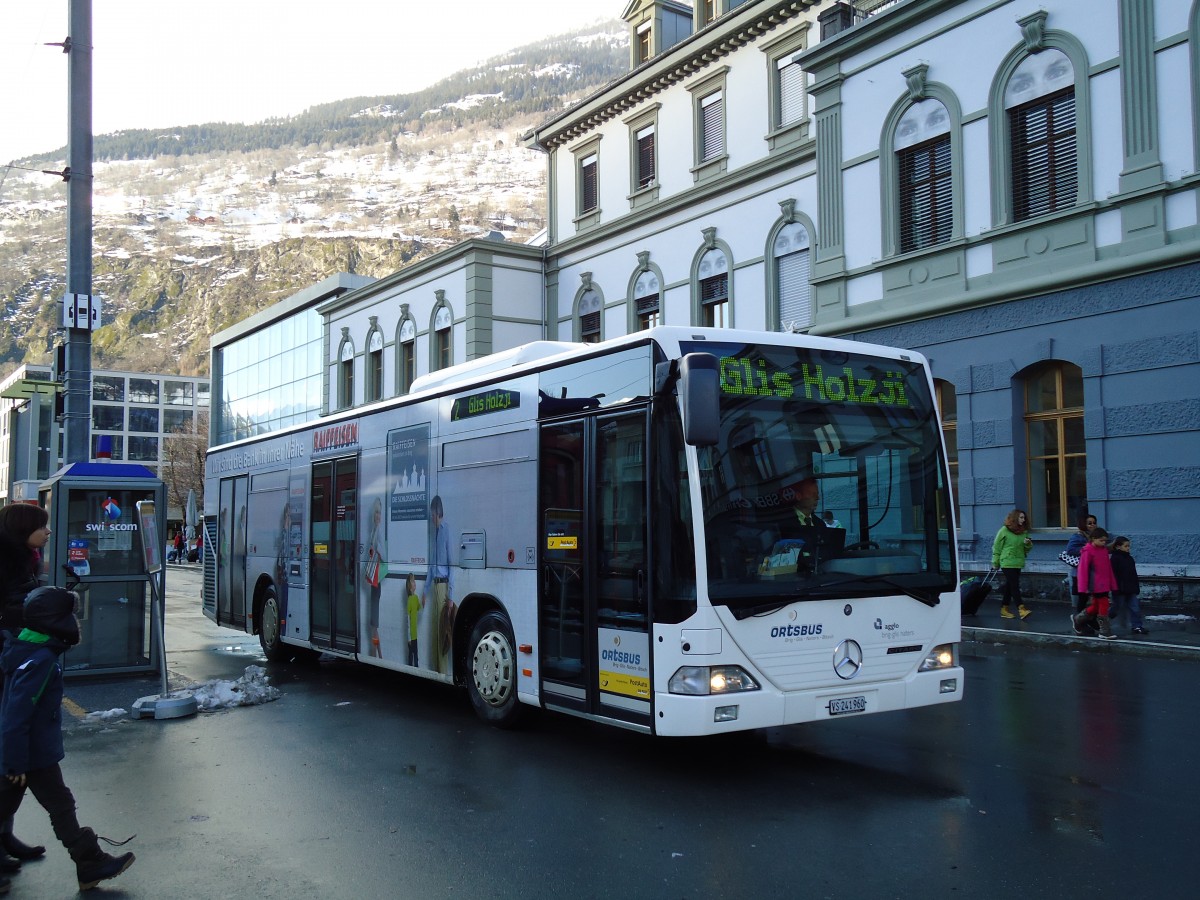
<point>458,255</point>
<point>694,54</point>
<point>884,24</point>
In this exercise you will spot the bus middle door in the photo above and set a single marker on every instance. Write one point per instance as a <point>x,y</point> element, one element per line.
<point>594,623</point>
<point>333,552</point>
<point>231,552</point>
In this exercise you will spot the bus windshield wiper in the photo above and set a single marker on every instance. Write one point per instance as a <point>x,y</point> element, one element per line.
<point>931,599</point>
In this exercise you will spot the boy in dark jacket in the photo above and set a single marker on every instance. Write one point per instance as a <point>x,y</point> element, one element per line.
<point>31,726</point>
<point>1125,597</point>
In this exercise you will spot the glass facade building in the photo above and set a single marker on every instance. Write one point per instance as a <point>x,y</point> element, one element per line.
<point>270,378</point>
<point>138,413</point>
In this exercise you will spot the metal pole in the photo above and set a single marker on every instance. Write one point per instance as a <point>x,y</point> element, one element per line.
<point>77,379</point>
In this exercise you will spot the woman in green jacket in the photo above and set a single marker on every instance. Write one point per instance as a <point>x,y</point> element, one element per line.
<point>1008,554</point>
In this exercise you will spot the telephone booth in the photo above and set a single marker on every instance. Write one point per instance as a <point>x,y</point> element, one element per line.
<point>95,549</point>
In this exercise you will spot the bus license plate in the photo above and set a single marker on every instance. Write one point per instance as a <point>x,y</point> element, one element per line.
<point>843,705</point>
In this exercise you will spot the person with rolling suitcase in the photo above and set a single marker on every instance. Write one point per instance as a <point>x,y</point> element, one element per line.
<point>1008,553</point>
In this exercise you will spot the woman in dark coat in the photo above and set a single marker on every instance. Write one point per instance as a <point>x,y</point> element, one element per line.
<point>24,531</point>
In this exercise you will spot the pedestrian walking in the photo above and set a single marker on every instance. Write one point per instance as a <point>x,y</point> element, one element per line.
<point>31,730</point>
<point>1070,555</point>
<point>1125,602</point>
<point>24,531</point>
<point>1009,548</point>
<point>1097,582</point>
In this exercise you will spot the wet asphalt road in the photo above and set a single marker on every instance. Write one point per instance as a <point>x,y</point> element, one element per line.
<point>1063,774</point>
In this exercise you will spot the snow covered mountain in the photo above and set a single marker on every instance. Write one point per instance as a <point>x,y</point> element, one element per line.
<point>197,227</point>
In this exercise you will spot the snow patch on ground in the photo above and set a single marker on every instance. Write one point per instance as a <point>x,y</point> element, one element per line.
<point>251,689</point>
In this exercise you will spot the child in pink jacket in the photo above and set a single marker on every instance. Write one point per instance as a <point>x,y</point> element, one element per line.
<point>1096,581</point>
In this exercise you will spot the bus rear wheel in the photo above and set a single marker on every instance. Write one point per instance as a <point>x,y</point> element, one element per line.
<point>270,629</point>
<point>492,680</point>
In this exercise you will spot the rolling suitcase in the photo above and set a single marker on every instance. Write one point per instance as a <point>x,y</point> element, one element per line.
<point>975,590</point>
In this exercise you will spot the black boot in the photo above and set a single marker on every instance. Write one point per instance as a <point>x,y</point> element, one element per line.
<point>18,849</point>
<point>93,865</point>
<point>8,865</point>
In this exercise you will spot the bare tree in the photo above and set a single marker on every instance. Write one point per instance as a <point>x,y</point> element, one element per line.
<point>183,453</point>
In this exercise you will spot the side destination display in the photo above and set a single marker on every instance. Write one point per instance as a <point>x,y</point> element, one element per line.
<point>481,404</point>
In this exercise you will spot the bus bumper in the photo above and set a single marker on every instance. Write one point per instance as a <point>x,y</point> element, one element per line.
<point>680,715</point>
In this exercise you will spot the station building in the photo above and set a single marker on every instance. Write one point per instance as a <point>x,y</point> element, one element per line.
<point>1011,188</point>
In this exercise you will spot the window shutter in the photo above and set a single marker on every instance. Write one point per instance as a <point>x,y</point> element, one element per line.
<point>645,157</point>
<point>1045,171</point>
<point>792,93</point>
<point>589,327</point>
<point>712,109</point>
<point>795,290</point>
<point>926,199</point>
<point>715,289</point>
<point>587,185</point>
<point>647,311</point>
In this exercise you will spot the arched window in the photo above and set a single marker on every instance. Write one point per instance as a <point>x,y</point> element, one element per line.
<point>374,366</point>
<point>924,175</point>
<point>1039,102</point>
<point>712,278</point>
<point>589,317</point>
<point>346,374</point>
<point>947,403</point>
<point>442,349</point>
<point>792,271</point>
<point>647,300</point>
<point>406,357</point>
<point>1054,445</point>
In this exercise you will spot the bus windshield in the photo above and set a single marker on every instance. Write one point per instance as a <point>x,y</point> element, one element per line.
<point>827,481</point>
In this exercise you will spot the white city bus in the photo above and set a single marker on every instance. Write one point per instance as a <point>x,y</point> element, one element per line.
<point>614,531</point>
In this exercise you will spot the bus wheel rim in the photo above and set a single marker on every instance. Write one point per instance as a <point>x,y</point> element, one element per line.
<point>493,670</point>
<point>270,620</point>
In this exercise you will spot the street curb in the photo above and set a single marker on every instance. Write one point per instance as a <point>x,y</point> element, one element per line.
<point>1071,642</point>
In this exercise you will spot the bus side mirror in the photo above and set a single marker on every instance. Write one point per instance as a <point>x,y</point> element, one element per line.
<point>699,393</point>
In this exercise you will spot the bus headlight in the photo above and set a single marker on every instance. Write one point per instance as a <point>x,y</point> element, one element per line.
<point>704,680</point>
<point>943,656</point>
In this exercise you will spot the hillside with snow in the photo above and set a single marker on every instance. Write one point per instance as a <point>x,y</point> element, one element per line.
<point>191,235</point>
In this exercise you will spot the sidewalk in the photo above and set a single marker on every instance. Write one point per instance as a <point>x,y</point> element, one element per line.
<point>1172,633</point>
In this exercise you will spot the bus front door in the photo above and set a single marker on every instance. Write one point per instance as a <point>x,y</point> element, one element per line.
<point>593,608</point>
<point>231,552</point>
<point>333,551</point>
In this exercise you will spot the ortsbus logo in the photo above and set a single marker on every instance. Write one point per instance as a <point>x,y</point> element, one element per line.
<point>335,437</point>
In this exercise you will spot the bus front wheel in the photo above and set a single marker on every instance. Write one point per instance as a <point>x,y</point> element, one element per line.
<point>270,629</point>
<point>492,681</point>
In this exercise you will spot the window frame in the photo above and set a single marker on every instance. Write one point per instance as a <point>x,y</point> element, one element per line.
<point>1061,458</point>
<point>587,217</point>
<point>589,325</point>
<point>441,327</point>
<point>890,180</point>
<point>999,138</point>
<point>345,370</point>
<point>643,194</point>
<point>946,394</point>
<point>779,55</point>
<point>643,42</point>
<point>373,366</point>
<point>705,311</point>
<point>705,93</point>
<point>406,354</point>
<point>775,281</point>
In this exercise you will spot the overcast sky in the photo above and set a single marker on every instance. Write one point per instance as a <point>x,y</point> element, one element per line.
<point>182,62</point>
